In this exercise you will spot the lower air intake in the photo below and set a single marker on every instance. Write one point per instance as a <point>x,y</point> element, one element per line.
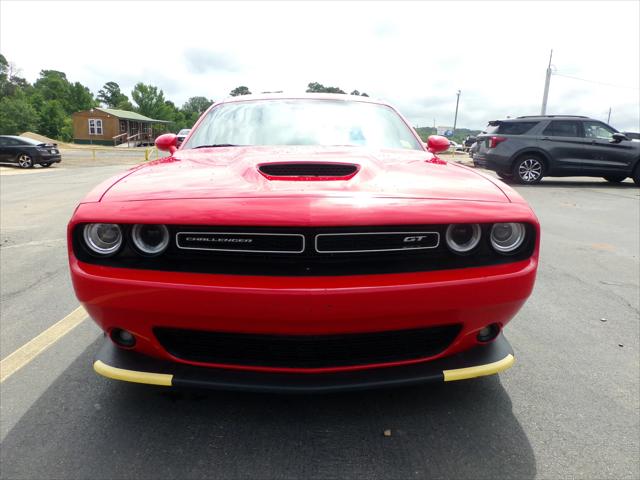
<point>306,351</point>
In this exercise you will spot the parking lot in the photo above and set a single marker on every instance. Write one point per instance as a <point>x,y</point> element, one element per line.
<point>569,408</point>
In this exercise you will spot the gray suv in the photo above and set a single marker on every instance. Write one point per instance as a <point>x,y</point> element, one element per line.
<point>525,149</point>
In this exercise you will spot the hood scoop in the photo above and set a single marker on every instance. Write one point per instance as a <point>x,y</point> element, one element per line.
<point>308,171</point>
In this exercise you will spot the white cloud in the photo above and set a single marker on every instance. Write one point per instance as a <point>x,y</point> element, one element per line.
<point>201,60</point>
<point>414,54</point>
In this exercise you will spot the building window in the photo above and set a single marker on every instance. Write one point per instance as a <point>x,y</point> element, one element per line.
<point>145,128</point>
<point>123,126</point>
<point>95,126</point>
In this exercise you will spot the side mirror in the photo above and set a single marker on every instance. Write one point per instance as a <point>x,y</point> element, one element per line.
<point>618,137</point>
<point>437,144</point>
<point>167,142</point>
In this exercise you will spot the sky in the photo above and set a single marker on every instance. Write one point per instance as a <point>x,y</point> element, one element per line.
<point>415,55</point>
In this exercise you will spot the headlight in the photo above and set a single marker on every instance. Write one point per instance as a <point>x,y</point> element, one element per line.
<point>507,237</point>
<point>150,239</point>
<point>103,239</point>
<point>463,237</point>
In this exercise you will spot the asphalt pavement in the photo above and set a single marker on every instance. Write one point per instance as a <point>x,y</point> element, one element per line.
<point>569,408</point>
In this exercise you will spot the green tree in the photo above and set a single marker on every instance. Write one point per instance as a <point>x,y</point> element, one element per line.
<point>80,98</point>
<point>66,133</point>
<point>193,108</point>
<point>315,87</point>
<point>196,105</point>
<point>150,101</point>
<point>4,76</point>
<point>52,118</point>
<point>179,122</point>
<point>112,97</point>
<point>53,85</point>
<point>242,90</point>
<point>44,107</point>
<point>10,83</point>
<point>55,98</point>
<point>175,116</point>
<point>17,115</point>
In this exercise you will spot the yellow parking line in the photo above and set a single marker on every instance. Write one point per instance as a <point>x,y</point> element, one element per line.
<point>37,345</point>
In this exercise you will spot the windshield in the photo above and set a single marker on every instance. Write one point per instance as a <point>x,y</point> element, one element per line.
<point>304,122</point>
<point>184,131</point>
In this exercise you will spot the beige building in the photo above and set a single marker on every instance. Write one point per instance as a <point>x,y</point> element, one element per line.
<point>107,126</point>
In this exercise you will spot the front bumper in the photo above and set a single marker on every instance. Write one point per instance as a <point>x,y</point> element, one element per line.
<point>129,366</point>
<point>139,301</point>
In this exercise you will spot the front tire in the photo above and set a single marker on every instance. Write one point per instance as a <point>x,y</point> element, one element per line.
<point>636,175</point>
<point>25,160</point>
<point>528,170</point>
<point>614,178</point>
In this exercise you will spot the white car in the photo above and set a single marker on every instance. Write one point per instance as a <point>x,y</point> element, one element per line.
<point>182,134</point>
<point>454,146</point>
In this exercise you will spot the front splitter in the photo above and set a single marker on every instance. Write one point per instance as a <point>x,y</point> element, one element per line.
<point>130,366</point>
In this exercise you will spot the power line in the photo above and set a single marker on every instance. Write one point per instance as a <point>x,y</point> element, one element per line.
<point>596,82</point>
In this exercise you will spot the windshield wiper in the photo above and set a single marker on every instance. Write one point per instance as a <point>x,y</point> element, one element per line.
<point>214,145</point>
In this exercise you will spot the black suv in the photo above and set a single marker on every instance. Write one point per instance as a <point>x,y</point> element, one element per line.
<point>525,149</point>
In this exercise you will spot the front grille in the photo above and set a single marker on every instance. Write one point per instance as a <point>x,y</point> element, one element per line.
<point>308,169</point>
<point>375,242</point>
<point>306,251</point>
<point>302,351</point>
<point>241,242</point>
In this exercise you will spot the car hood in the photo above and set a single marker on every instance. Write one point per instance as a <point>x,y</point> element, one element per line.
<point>233,172</point>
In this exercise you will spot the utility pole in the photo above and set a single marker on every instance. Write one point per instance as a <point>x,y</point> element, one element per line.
<point>609,116</point>
<point>455,119</point>
<point>543,111</point>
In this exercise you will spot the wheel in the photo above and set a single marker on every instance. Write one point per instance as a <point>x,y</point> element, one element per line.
<point>45,165</point>
<point>25,161</point>
<point>528,169</point>
<point>614,178</point>
<point>636,175</point>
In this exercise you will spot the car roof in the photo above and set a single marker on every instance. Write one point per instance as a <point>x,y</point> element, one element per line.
<point>544,117</point>
<point>302,96</point>
<point>529,118</point>
<point>28,140</point>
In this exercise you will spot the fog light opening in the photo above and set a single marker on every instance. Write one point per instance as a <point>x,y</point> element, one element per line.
<point>123,338</point>
<point>488,333</point>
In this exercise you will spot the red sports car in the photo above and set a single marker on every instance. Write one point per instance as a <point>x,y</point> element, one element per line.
<point>302,244</point>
